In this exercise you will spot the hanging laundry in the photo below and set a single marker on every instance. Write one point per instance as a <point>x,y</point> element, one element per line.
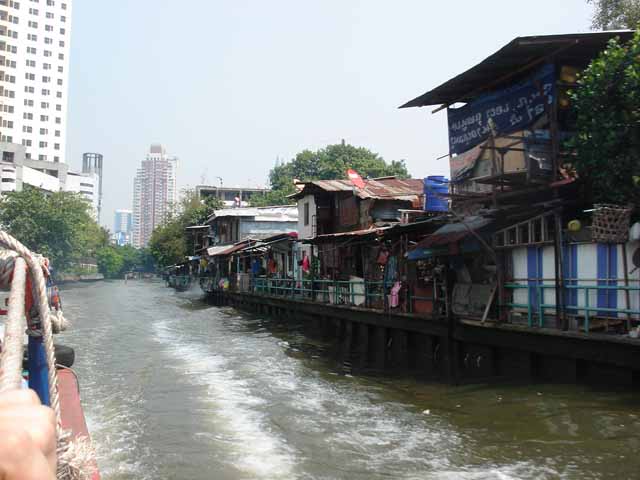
<point>394,297</point>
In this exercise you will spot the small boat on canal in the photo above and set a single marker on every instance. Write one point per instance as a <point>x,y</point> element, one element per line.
<point>178,277</point>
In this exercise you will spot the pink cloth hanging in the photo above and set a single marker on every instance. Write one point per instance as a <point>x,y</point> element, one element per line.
<point>394,297</point>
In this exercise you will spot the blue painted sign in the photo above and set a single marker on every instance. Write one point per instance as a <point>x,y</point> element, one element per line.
<point>511,109</point>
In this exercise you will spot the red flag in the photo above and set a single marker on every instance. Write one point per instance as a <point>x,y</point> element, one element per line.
<point>355,178</point>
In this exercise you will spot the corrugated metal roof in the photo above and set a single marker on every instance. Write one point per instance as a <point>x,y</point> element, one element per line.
<point>390,188</point>
<point>453,232</point>
<point>328,237</point>
<point>212,251</point>
<point>234,248</point>
<point>287,213</point>
<point>518,57</point>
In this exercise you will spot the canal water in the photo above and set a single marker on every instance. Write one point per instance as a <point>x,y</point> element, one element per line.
<point>176,389</point>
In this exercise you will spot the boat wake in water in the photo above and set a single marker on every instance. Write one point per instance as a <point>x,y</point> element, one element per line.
<point>175,389</point>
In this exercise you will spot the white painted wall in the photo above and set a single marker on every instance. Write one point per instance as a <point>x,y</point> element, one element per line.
<point>8,178</point>
<point>86,184</point>
<point>41,180</point>
<point>306,231</point>
<point>587,274</point>
<point>40,62</point>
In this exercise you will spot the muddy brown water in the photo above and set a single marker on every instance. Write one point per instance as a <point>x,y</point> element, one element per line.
<point>177,389</point>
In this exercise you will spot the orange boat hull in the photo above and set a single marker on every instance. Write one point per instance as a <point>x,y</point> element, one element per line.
<point>71,408</point>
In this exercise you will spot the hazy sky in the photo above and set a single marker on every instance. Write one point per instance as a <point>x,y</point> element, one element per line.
<point>228,86</point>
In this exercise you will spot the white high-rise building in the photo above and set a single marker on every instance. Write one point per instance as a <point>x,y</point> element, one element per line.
<point>34,73</point>
<point>155,192</point>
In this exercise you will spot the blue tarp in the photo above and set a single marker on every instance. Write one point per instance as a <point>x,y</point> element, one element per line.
<point>511,109</point>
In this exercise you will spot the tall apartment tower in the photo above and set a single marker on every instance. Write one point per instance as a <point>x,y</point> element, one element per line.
<point>34,54</point>
<point>122,227</point>
<point>154,193</point>
<point>92,165</point>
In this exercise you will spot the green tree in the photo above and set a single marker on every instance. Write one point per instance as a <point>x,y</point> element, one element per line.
<point>607,110</point>
<point>169,242</point>
<point>615,14</point>
<point>146,262</point>
<point>329,163</point>
<point>110,261</point>
<point>57,225</point>
<point>114,260</point>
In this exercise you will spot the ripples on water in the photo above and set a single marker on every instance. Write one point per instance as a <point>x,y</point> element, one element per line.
<point>175,389</point>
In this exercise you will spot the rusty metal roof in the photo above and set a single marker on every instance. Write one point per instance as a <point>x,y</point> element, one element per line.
<point>453,232</point>
<point>518,57</point>
<point>387,188</point>
<point>234,248</point>
<point>330,237</point>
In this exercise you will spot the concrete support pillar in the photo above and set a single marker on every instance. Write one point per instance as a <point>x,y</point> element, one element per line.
<point>361,346</point>
<point>447,359</point>
<point>427,360</point>
<point>399,350</point>
<point>379,348</point>
<point>346,340</point>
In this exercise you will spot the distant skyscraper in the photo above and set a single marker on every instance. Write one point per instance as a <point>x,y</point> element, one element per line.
<point>92,164</point>
<point>154,192</point>
<point>123,227</point>
<point>34,81</point>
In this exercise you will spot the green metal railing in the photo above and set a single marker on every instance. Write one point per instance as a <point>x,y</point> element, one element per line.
<point>340,292</point>
<point>363,293</point>
<point>538,308</point>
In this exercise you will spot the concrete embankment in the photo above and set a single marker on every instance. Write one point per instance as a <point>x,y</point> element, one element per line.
<point>456,351</point>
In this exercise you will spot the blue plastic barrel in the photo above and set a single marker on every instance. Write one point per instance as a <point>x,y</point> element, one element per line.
<point>436,188</point>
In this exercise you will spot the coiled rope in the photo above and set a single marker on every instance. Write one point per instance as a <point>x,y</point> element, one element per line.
<point>74,458</point>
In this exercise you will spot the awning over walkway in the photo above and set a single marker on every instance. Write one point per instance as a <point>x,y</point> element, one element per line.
<point>433,244</point>
<point>213,251</point>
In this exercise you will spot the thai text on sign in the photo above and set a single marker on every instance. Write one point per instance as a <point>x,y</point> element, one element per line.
<point>511,109</point>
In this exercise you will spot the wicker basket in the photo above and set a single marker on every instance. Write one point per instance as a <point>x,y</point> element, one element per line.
<point>610,223</point>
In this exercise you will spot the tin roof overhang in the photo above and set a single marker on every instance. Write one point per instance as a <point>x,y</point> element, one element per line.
<point>387,188</point>
<point>333,237</point>
<point>517,57</point>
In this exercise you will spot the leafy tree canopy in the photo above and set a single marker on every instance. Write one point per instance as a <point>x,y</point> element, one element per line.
<point>329,163</point>
<point>607,108</point>
<point>110,262</point>
<point>169,242</point>
<point>57,225</point>
<point>114,261</point>
<point>615,14</point>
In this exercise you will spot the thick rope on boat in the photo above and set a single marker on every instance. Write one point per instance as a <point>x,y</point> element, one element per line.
<point>41,300</point>
<point>12,347</point>
<point>74,457</point>
<point>7,264</point>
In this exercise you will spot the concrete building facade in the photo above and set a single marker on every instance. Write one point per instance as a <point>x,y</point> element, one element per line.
<point>92,165</point>
<point>34,54</point>
<point>155,192</point>
<point>230,196</point>
<point>16,171</point>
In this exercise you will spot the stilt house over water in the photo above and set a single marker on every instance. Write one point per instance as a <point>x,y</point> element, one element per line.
<point>544,258</point>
